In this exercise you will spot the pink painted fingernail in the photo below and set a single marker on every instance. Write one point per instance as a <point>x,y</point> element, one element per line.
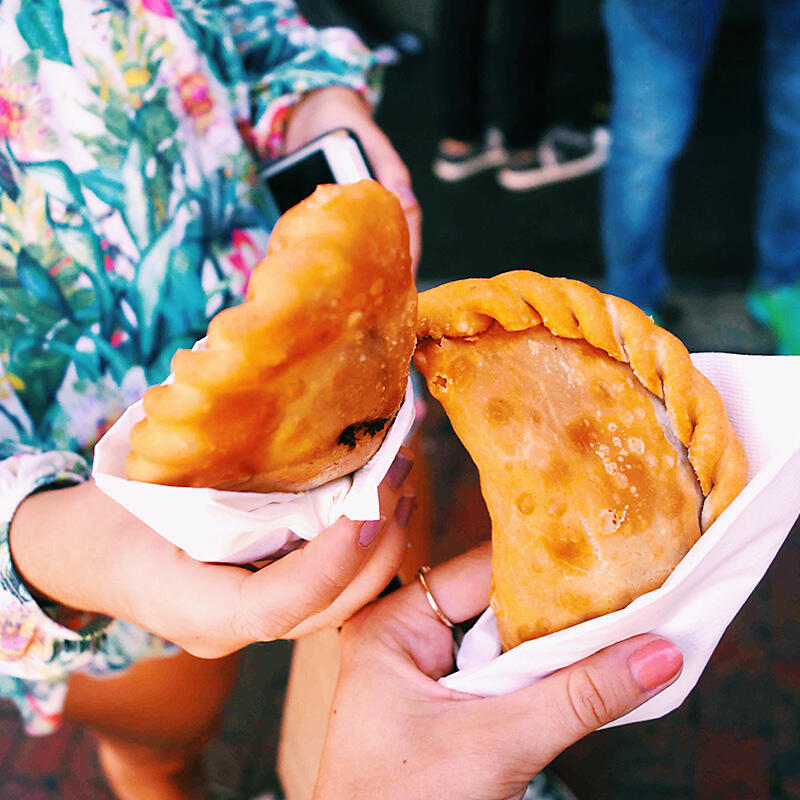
<point>656,663</point>
<point>369,531</point>
<point>399,470</point>
<point>406,195</point>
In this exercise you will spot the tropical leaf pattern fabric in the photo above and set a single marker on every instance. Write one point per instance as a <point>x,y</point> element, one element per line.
<point>131,136</point>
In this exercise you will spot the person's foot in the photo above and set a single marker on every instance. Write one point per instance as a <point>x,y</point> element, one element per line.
<point>456,160</point>
<point>547,786</point>
<point>779,310</point>
<point>563,154</point>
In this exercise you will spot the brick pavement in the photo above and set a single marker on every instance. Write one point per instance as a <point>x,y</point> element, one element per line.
<point>240,759</point>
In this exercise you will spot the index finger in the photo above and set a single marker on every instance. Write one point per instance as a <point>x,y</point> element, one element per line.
<point>460,587</point>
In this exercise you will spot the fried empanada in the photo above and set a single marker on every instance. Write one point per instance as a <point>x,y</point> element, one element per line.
<point>603,453</point>
<point>298,384</point>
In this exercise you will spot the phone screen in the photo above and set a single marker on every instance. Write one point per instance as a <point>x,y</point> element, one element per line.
<point>295,183</point>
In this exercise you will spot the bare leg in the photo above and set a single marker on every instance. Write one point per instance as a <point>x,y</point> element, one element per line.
<point>152,722</point>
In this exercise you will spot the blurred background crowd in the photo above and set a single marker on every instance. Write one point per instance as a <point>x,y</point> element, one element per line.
<point>696,217</point>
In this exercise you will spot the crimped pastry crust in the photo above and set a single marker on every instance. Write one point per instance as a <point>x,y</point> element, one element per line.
<point>298,384</point>
<point>573,310</point>
<point>603,453</point>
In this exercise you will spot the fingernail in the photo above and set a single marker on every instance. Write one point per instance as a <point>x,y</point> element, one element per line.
<point>406,195</point>
<point>656,663</point>
<point>399,470</point>
<point>369,530</point>
<point>405,508</point>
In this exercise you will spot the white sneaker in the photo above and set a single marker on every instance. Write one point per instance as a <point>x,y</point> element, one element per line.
<point>487,154</point>
<point>563,154</point>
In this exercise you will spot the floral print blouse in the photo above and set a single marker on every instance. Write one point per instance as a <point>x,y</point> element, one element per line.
<point>131,134</point>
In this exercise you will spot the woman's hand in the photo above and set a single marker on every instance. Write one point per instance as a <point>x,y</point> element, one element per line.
<point>395,732</point>
<point>79,547</point>
<point>323,110</point>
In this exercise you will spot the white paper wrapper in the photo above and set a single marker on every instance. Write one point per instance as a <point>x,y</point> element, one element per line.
<point>239,527</point>
<point>704,592</point>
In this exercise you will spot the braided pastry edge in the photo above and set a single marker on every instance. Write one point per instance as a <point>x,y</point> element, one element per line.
<point>572,310</point>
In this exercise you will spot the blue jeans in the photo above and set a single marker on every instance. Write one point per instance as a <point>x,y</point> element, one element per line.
<point>658,53</point>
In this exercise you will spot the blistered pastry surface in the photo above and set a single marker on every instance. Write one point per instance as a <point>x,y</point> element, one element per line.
<point>591,505</point>
<point>570,309</point>
<point>603,453</point>
<point>298,384</point>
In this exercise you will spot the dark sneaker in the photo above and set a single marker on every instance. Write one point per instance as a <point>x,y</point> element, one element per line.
<point>482,155</point>
<point>547,786</point>
<point>563,154</point>
<point>779,310</point>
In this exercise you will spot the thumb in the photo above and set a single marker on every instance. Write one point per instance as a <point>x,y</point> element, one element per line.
<point>278,597</point>
<point>538,722</point>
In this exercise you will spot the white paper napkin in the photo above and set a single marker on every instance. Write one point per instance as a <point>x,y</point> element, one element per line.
<point>704,592</point>
<point>239,527</point>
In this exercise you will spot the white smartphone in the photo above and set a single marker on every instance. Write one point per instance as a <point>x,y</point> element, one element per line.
<point>334,157</point>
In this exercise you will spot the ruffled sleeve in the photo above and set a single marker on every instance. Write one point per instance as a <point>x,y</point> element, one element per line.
<point>285,57</point>
<point>48,640</point>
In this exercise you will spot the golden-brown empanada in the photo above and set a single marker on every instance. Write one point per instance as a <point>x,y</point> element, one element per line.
<point>298,384</point>
<point>603,453</point>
